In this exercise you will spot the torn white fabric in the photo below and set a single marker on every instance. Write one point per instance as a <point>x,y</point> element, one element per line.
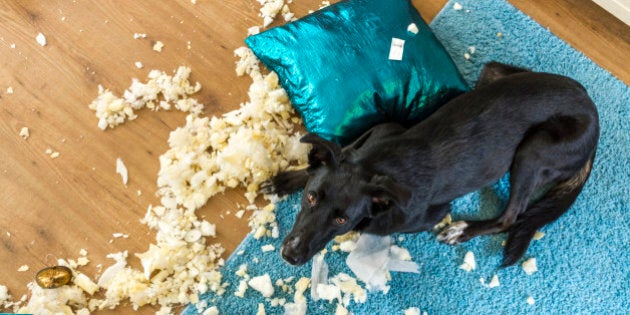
<point>319,275</point>
<point>373,258</point>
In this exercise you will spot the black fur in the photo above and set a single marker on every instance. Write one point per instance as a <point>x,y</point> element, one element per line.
<point>541,127</point>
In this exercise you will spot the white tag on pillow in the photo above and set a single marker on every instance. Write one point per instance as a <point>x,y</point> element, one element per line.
<point>396,49</point>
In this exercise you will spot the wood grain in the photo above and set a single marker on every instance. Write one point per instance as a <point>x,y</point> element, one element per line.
<point>52,208</point>
<point>588,28</point>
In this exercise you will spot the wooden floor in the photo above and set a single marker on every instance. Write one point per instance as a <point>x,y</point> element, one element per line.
<point>52,208</point>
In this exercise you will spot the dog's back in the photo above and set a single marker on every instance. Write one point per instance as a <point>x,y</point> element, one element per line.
<point>481,130</point>
<point>511,105</point>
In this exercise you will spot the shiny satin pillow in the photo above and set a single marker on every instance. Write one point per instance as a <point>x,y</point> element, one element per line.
<point>340,66</point>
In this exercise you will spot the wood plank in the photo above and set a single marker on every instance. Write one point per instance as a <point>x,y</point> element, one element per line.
<point>588,28</point>
<point>52,208</point>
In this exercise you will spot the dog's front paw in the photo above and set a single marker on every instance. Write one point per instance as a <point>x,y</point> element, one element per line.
<point>453,233</point>
<point>267,187</point>
<point>284,183</point>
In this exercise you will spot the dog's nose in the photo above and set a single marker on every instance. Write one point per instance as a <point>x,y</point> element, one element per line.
<point>289,250</point>
<point>293,260</point>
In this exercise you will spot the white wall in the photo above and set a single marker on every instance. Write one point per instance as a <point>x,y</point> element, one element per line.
<point>619,8</point>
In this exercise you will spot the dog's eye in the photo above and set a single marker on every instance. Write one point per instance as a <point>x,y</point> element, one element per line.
<point>341,220</point>
<point>311,197</point>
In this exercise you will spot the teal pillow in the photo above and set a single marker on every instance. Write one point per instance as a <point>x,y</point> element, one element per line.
<point>339,68</point>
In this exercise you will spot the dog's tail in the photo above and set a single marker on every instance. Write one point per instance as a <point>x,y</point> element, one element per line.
<point>550,207</point>
<point>493,71</point>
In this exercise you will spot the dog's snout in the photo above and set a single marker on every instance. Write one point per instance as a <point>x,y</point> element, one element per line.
<point>292,242</point>
<point>293,260</point>
<point>290,250</point>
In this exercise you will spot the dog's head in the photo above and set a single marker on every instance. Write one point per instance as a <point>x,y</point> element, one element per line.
<point>338,196</point>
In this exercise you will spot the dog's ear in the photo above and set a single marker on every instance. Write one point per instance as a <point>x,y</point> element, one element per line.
<point>323,151</point>
<point>384,192</point>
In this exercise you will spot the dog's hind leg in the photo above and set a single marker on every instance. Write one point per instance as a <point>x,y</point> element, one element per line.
<point>550,153</point>
<point>528,171</point>
<point>546,210</point>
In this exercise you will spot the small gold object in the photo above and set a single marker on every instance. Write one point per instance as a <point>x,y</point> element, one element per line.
<point>53,277</point>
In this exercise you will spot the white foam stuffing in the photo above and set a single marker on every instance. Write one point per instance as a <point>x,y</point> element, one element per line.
<point>328,292</point>
<point>51,153</point>
<point>529,266</point>
<point>400,253</point>
<point>242,288</point>
<point>263,222</point>
<point>413,28</point>
<point>269,10</point>
<point>211,311</point>
<point>268,248</point>
<point>158,46</point>
<point>122,170</point>
<point>494,282</point>
<point>412,311</point>
<point>242,270</point>
<point>262,284</point>
<point>261,309</point>
<point>469,262</point>
<point>347,242</point>
<point>120,235</point>
<point>5,297</point>
<point>44,301</point>
<point>324,4</point>
<point>161,91</point>
<point>244,147</point>
<point>340,310</point>
<point>350,289</point>
<point>82,261</point>
<point>25,133</point>
<point>85,283</point>
<point>41,39</point>
<point>253,30</point>
<point>298,306</point>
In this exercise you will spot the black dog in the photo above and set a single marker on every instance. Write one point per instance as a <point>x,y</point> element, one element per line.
<point>542,128</point>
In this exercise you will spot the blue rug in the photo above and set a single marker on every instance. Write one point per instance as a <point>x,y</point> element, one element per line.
<point>584,258</point>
